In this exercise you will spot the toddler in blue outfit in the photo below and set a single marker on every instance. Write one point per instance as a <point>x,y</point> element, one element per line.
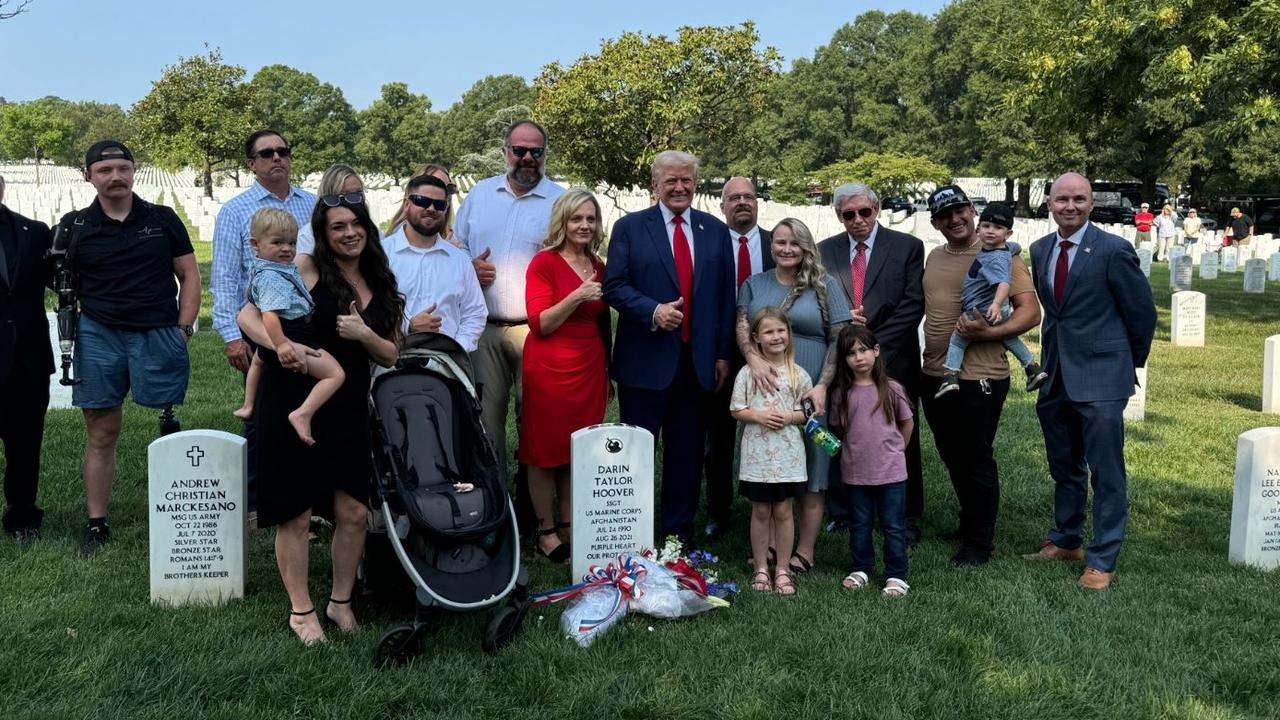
<point>277,290</point>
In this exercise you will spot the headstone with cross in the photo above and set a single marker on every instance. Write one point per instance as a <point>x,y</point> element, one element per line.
<point>197,508</point>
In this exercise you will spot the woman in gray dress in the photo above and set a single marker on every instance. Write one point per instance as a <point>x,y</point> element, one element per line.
<point>817,309</point>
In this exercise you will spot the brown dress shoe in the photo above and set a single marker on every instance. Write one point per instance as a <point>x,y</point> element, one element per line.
<point>1095,579</point>
<point>1049,551</point>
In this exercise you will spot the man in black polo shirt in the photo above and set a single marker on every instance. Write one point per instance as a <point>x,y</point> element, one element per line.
<point>132,334</point>
<point>1241,227</point>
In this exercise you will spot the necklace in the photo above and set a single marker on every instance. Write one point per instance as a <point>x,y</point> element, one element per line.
<point>966,249</point>
<point>586,272</point>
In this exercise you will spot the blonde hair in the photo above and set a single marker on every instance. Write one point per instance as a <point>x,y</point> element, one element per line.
<point>428,169</point>
<point>773,313</point>
<point>557,229</point>
<point>272,220</point>
<point>810,274</point>
<point>334,178</point>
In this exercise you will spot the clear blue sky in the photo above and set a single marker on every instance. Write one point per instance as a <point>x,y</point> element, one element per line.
<point>111,51</point>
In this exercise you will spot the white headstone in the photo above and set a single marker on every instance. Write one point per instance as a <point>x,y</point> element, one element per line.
<point>1186,324</point>
<point>1255,275</point>
<point>612,480</point>
<point>1175,252</point>
<point>1208,266</point>
<point>1271,375</point>
<point>1146,245</point>
<point>1230,258</point>
<point>1255,507</point>
<point>1144,260</point>
<point>1136,409</point>
<point>197,507</point>
<point>1180,274</point>
<point>1274,272</point>
<point>59,394</point>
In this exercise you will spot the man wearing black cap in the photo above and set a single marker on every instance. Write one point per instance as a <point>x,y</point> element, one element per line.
<point>964,422</point>
<point>26,360</point>
<point>132,333</point>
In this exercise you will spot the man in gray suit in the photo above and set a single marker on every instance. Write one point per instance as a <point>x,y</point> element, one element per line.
<point>1099,318</point>
<point>881,271</point>
<point>751,255</point>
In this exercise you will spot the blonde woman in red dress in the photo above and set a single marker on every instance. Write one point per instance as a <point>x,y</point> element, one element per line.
<point>565,373</point>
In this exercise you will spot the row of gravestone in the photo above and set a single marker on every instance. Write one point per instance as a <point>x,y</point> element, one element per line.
<point>1255,271</point>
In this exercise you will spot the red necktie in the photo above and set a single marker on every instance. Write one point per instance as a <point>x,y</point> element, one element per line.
<point>744,262</point>
<point>859,271</point>
<point>684,275</point>
<point>1060,272</point>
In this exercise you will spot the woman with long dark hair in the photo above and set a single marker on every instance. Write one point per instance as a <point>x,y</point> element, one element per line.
<point>356,319</point>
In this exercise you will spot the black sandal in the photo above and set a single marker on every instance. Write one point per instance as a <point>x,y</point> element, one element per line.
<point>328,619</point>
<point>559,555</point>
<point>800,567</point>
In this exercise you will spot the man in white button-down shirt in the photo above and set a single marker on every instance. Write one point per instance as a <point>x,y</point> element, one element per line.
<point>439,284</point>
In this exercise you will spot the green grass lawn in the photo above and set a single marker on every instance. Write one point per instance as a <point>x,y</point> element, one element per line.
<point>1183,634</point>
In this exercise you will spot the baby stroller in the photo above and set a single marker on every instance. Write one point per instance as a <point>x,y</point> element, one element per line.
<point>458,546</point>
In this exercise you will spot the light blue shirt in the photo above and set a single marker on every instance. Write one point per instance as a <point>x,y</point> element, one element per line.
<point>233,255</point>
<point>278,287</point>
<point>1076,238</point>
<point>513,230</point>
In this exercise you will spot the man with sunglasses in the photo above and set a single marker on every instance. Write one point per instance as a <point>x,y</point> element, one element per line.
<point>441,291</point>
<point>270,160</point>
<point>964,422</point>
<point>880,271</point>
<point>501,224</point>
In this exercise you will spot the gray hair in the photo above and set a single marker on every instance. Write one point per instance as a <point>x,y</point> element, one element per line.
<point>674,159</point>
<point>849,190</point>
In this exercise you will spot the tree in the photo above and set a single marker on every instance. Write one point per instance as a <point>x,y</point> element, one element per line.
<point>492,160</point>
<point>198,114</point>
<point>889,174</point>
<point>609,114</point>
<point>316,118</point>
<point>467,126</point>
<point>38,129</point>
<point>8,9</point>
<point>398,132</point>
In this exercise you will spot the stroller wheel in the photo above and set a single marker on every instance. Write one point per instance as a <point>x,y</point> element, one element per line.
<point>397,646</point>
<point>504,626</point>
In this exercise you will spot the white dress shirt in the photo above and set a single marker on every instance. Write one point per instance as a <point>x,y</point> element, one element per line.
<point>755,249</point>
<point>1075,238</point>
<point>441,275</point>
<point>513,229</point>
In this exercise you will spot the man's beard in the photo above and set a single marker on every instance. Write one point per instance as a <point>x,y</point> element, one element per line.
<point>525,177</point>
<point>429,230</point>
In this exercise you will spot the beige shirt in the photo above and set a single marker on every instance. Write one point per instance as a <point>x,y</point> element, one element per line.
<point>943,275</point>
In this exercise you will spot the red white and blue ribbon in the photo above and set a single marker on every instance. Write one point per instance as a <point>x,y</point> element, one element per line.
<point>620,577</point>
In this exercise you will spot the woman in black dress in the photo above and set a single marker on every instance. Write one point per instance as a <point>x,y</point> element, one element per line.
<point>357,318</point>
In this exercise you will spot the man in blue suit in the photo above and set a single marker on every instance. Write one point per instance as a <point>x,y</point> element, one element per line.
<point>670,277</point>
<point>1099,318</point>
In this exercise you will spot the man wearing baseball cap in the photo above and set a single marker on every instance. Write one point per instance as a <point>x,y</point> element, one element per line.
<point>135,320</point>
<point>1143,220</point>
<point>964,421</point>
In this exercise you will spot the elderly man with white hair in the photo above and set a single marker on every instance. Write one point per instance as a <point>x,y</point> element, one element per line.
<point>670,276</point>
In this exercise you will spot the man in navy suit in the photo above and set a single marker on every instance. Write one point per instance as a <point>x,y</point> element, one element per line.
<point>751,254</point>
<point>1099,318</point>
<point>670,277</point>
<point>26,360</point>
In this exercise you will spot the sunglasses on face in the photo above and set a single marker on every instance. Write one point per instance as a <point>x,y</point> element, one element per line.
<point>356,198</point>
<point>864,213</point>
<point>266,153</point>
<point>520,151</point>
<point>427,203</point>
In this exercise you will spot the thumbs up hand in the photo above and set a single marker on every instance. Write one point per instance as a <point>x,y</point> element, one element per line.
<point>426,321</point>
<point>351,326</point>
<point>668,315</point>
<point>486,271</point>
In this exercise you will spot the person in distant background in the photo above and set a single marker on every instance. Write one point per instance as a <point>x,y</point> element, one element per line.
<point>1143,220</point>
<point>1191,228</point>
<point>1166,230</point>
<point>1239,228</point>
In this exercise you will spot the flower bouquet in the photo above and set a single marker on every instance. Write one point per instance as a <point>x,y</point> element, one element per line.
<point>661,584</point>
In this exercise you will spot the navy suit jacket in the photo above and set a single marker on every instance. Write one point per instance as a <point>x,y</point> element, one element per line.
<point>641,274</point>
<point>1103,330</point>
<point>892,296</point>
<point>24,328</point>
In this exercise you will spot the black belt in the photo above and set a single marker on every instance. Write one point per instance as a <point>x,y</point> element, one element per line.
<point>506,323</point>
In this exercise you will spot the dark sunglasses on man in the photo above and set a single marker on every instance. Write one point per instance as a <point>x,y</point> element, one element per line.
<point>864,213</point>
<point>355,198</point>
<point>427,203</point>
<point>267,153</point>
<point>520,151</point>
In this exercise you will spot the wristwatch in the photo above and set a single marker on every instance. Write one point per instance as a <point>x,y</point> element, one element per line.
<point>188,329</point>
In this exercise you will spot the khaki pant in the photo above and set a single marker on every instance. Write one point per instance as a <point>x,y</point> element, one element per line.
<point>496,363</point>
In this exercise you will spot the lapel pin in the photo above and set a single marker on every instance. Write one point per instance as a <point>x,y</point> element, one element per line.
<point>699,226</point>
<point>1088,250</point>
